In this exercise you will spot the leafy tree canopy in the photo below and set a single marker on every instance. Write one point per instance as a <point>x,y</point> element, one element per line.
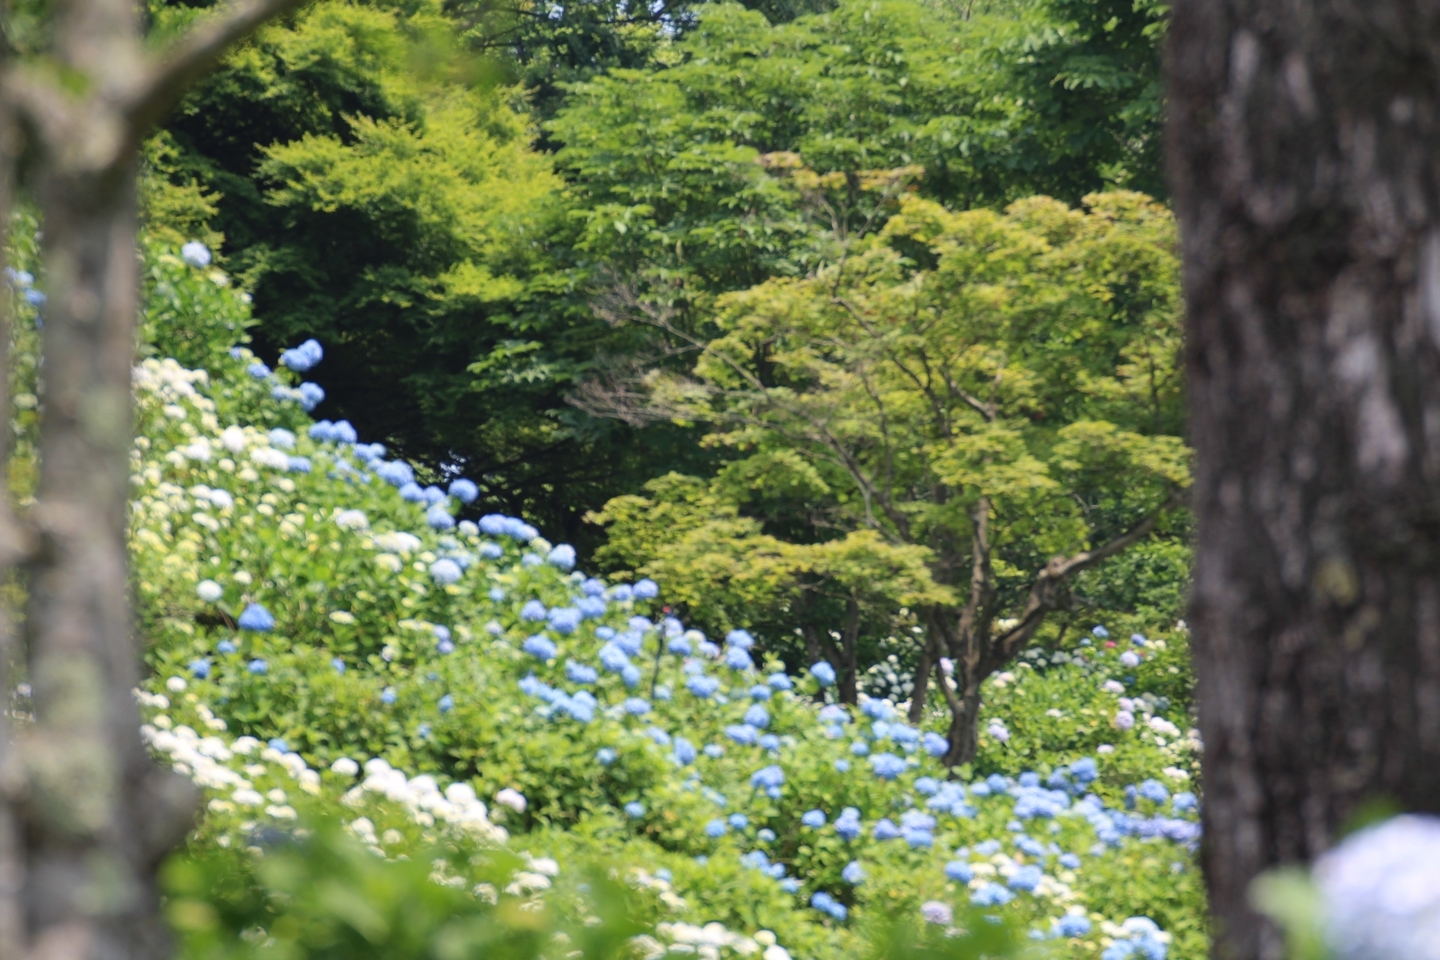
<point>1015,402</point>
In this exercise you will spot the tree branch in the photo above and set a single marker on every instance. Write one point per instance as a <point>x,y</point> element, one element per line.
<point>1045,591</point>
<point>193,55</point>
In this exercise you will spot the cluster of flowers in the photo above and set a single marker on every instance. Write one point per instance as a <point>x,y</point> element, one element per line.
<point>389,796</point>
<point>597,621</point>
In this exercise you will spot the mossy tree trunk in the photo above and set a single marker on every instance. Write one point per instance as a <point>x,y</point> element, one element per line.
<point>85,817</point>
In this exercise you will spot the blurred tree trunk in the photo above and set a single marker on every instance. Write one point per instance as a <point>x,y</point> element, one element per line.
<point>1304,140</point>
<point>85,817</point>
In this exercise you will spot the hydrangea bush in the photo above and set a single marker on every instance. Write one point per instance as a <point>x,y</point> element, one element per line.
<point>332,633</point>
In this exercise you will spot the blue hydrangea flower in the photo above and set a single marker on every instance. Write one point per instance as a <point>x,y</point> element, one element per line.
<point>613,659</point>
<point>282,438</point>
<point>814,819</point>
<point>1070,861</point>
<point>412,493</point>
<point>1154,791</point>
<point>885,829</point>
<point>739,638</point>
<point>935,745</point>
<point>397,473</point>
<point>1100,631</point>
<point>196,254</point>
<point>760,692</point>
<point>388,696</point>
<point>1072,925</point>
<point>1183,801</point>
<point>564,620</point>
<point>438,518</point>
<point>258,370</point>
<point>779,681</point>
<point>578,672</point>
<point>493,551</point>
<point>200,668</point>
<point>757,716</point>
<point>277,744</point>
<point>433,495</point>
<point>605,756</point>
<point>860,748</point>
<point>742,733</point>
<point>591,608</point>
<point>715,829</point>
<point>738,659</point>
<point>1030,846</point>
<point>702,686</point>
<point>768,778</point>
<point>446,703</point>
<point>540,647</point>
<point>464,490</point>
<point>770,742</point>
<point>959,871</point>
<point>1027,878</point>
<point>621,593</point>
<point>630,676</point>
<point>823,673</point>
<point>637,707</point>
<point>1084,771</point>
<point>646,589</point>
<point>853,874</point>
<point>226,646</point>
<point>338,664</point>
<point>303,357</point>
<point>663,692</point>
<point>738,821</point>
<point>344,432</point>
<point>887,766</point>
<point>256,618</point>
<point>991,895</point>
<point>634,810</point>
<point>445,572</point>
<point>684,752</point>
<point>311,396</point>
<point>714,751</point>
<point>766,835</point>
<point>534,611</point>
<point>562,556</point>
<point>847,825</point>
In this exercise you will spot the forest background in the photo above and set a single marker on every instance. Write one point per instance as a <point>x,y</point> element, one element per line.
<point>541,243</point>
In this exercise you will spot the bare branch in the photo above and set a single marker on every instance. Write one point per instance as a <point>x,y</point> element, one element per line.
<point>193,55</point>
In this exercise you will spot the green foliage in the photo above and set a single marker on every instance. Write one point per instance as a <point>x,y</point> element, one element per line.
<point>1030,372</point>
<point>195,316</point>
<point>373,194</point>
<point>363,595</point>
<point>318,893</point>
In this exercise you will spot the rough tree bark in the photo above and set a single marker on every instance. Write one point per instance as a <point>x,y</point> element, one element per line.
<point>1304,142</point>
<point>85,817</point>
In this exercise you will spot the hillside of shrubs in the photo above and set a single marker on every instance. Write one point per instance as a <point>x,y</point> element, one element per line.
<point>419,730</point>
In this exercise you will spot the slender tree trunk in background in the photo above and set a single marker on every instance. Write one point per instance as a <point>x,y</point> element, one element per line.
<point>99,814</point>
<point>849,665</point>
<point>921,688</point>
<point>1304,142</point>
<point>85,817</point>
